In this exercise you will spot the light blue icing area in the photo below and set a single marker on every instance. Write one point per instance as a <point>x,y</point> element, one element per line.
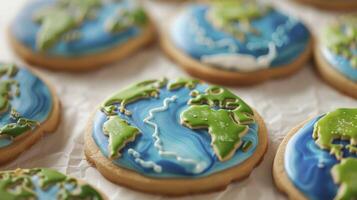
<point>341,64</point>
<point>93,36</point>
<point>187,143</point>
<point>291,37</point>
<point>309,167</point>
<point>34,102</point>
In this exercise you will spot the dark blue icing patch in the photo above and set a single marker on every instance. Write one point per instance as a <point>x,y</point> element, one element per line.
<point>290,37</point>
<point>93,36</point>
<point>187,143</point>
<point>341,64</point>
<point>309,167</point>
<point>35,101</point>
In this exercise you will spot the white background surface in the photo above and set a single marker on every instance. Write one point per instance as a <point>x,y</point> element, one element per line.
<point>283,104</point>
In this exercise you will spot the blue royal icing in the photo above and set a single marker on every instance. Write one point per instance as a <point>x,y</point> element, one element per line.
<point>197,158</point>
<point>93,36</point>
<point>35,101</point>
<point>341,64</point>
<point>309,167</point>
<point>282,39</point>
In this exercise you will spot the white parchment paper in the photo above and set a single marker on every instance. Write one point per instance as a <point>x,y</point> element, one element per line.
<point>283,104</point>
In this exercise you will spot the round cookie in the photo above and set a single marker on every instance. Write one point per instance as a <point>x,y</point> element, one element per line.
<point>236,42</point>
<point>28,109</point>
<point>175,137</point>
<point>77,35</point>
<point>44,184</point>
<point>336,55</point>
<point>318,159</point>
<point>342,5</point>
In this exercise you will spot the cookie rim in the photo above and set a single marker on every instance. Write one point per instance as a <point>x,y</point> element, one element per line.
<point>50,125</point>
<point>226,77</point>
<point>171,186</point>
<point>330,5</point>
<point>85,62</point>
<point>333,77</point>
<point>280,177</point>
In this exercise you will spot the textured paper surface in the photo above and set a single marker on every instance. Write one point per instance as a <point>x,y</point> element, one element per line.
<point>283,104</point>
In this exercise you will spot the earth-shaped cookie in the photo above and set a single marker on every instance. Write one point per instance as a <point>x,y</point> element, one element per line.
<point>44,184</point>
<point>336,55</point>
<point>78,35</point>
<point>175,137</point>
<point>236,42</point>
<point>342,5</point>
<point>28,109</point>
<point>318,159</point>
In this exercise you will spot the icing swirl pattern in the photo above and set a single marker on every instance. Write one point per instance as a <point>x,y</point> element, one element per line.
<point>29,107</point>
<point>77,27</point>
<point>255,37</point>
<point>165,147</point>
<point>339,47</point>
<point>318,174</point>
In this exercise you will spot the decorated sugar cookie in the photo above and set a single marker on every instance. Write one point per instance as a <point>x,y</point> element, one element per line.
<point>332,4</point>
<point>28,109</point>
<point>79,34</point>
<point>336,55</point>
<point>318,159</point>
<point>175,137</point>
<point>236,42</point>
<point>44,184</point>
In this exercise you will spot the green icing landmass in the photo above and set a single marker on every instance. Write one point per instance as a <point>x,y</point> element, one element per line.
<point>64,16</point>
<point>142,90</point>
<point>126,19</point>
<point>6,86</point>
<point>226,14</point>
<point>226,125</point>
<point>339,124</point>
<point>345,174</point>
<point>19,184</point>
<point>14,130</point>
<point>341,38</point>
<point>120,133</point>
<point>183,82</point>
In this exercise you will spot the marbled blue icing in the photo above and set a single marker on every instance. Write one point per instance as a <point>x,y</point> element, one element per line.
<point>341,64</point>
<point>94,38</point>
<point>35,101</point>
<point>188,143</point>
<point>309,167</point>
<point>290,36</point>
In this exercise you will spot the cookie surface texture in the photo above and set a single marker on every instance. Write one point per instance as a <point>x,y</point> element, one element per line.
<point>43,184</point>
<point>175,137</point>
<point>318,159</point>
<point>236,42</point>
<point>28,108</point>
<point>79,34</point>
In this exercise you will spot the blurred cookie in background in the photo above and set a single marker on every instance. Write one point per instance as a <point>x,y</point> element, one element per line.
<point>336,54</point>
<point>236,42</point>
<point>77,35</point>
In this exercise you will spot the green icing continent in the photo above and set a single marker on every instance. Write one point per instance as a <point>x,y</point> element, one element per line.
<point>226,125</point>
<point>14,130</point>
<point>225,132</point>
<point>183,82</point>
<point>345,174</point>
<point>126,19</point>
<point>339,124</point>
<point>142,90</point>
<point>20,185</point>
<point>64,16</point>
<point>120,133</point>
<point>341,38</point>
<point>7,85</point>
<point>226,14</point>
